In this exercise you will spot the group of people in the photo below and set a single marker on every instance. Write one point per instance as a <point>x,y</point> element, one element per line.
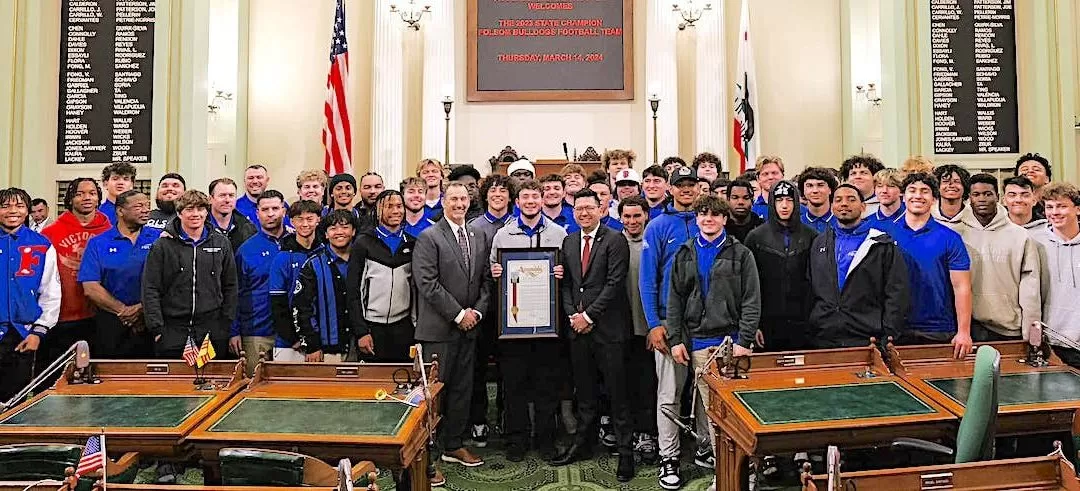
<point>656,270</point>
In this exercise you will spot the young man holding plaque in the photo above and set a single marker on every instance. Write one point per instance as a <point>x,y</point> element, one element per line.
<point>594,296</point>
<point>530,366</point>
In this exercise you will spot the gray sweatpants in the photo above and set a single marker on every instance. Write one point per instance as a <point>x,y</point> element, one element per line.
<point>670,378</point>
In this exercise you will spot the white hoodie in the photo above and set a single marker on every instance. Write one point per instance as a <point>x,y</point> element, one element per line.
<point>1061,310</point>
<point>1005,273</point>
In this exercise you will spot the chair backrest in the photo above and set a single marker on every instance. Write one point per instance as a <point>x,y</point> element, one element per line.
<point>975,439</point>
<point>255,467</point>
<point>34,461</point>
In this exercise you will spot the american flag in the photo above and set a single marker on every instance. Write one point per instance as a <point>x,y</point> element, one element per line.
<point>337,131</point>
<point>191,352</point>
<point>93,456</point>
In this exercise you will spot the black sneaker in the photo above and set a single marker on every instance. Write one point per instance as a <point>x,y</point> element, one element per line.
<point>607,433</point>
<point>515,452</point>
<point>669,474</point>
<point>479,435</point>
<point>705,459</point>
<point>645,447</point>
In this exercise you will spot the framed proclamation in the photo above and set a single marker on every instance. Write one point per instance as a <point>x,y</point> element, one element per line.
<point>528,294</point>
<point>550,50</point>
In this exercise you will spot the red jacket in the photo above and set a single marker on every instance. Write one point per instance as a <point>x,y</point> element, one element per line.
<point>69,238</point>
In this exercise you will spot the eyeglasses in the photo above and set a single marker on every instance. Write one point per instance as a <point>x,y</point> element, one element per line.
<point>586,208</point>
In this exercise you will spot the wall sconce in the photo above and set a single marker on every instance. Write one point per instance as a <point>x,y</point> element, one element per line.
<point>411,13</point>
<point>215,102</point>
<point>690,12</point>
<point>870,92</point>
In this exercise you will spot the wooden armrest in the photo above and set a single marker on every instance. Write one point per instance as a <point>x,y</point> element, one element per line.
<point>361,468</point>
<point>124,463</point>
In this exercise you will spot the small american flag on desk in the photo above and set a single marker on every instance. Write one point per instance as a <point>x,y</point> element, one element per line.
<point>337,130</point>
<point>93,456</point>
<point>191,352</point>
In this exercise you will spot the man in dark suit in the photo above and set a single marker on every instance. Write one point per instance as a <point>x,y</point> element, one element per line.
<point>449,270</point>
<point>594,296</point>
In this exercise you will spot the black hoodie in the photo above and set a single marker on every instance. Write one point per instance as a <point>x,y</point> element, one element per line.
<point>189,287</point>
<point>782,253</point>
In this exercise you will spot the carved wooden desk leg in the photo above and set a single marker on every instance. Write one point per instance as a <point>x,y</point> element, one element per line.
<point>730,464</point>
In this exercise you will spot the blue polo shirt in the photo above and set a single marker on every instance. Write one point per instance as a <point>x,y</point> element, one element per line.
<point>761,208</point>
<point>655,211</point>
<point>253,261</point>
<point>931,253</point>
<point>611,223</point>
<point>433,212</point>
<point>246,206</point>
<point>565,219</point>
<point>415,229</point>
<point>108,208</point>
<point>884,222</point>
<point>821,223</point>
<point>117,263</point>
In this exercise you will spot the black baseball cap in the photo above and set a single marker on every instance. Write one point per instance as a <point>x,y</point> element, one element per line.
<point>681,174</point>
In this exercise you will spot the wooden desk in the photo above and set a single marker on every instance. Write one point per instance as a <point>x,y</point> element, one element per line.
<point>1030,474</point>
<point>328,412</point>
<point>1031,399</point>
<point>144,406</point>
<point>795,401</point>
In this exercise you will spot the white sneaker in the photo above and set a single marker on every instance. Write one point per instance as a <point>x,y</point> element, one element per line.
<point>669,474</point>
<point>480,435</point>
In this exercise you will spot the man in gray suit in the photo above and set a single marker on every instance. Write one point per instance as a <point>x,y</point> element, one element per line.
<point>450,272</point>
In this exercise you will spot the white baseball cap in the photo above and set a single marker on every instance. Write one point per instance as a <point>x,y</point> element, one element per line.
<point>627,175</point>
<point>521,164</point>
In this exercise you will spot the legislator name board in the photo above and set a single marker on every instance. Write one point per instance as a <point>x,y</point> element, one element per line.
<point>973,75</point>
<point>106,81</point>
<point>529,50</point>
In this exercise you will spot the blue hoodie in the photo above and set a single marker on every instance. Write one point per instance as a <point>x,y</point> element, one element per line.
<point>253,261</point>
<point>663,237</point>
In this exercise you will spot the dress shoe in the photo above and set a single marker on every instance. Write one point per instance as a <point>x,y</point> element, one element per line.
<point>437,479</point>
<point>576,452</point>
<point>515,452</point>
<point>462,456</point>
<point>625,471</point>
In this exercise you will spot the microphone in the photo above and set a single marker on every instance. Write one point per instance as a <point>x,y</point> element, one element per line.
<point>565,151</point>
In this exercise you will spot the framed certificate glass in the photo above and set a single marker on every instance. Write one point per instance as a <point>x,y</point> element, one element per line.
<point>528,294</point>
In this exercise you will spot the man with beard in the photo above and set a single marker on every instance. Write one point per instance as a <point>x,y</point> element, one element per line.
<point>740,195</point>
<point>256,180</point>
<point>1005,283</point>
<point>1037,169</point>
<point>858,279</point>
<point>531,368</point>
<point>955,182</point>
<point>170,187</point>
<point>117,179</point>
<point>859,171</point>
<point>111,276</point>
<point>296,249</point>
<point>468,176</point>
<point>416,220</point>
<point>379,284</point>
<point>816,185</point>
<point>1020,201</point>
<point>781,249</point>
<point>224,218</point>
<point>654,183</point>
<point>253,331</point>
<point>69,235</point>
<point>552,188</point>
<point>31,289</point>
<point>939,271</point>
<point>663,237</point>
<point>371,185</point>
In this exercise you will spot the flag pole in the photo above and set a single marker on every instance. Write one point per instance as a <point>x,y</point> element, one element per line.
<point>104,462</point>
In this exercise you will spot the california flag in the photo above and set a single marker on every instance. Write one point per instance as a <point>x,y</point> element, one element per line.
<point>746,140</point>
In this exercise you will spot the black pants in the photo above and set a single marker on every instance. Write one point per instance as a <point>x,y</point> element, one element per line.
<point>588,357</point>
<point>532,371</point>
<point>641,385</point>
<point>392,342</point>
<point>785,335</point>
<point>115,341</point>
<point>15,368</point>
<point>487,349</point>
<point>981,334</point>
<point>61,337</point>
<point>456,360</point>
<point>1069,356</point>
<point>918,337</point>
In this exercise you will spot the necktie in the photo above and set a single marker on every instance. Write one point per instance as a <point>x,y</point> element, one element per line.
<point>464,245</point>
<point>585,253</point>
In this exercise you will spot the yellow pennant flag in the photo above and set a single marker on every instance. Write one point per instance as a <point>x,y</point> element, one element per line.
<point>206,352</point>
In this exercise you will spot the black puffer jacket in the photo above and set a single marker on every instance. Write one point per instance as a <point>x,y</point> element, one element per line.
<point>782,253</point>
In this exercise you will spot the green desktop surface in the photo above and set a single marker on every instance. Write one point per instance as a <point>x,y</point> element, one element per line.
<point>315,417</point>
<point>137,411</point>
<point>831,402</point>
<point>1018,388</point>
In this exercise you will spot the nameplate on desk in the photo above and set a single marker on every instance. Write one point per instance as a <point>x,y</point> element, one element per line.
<point>790,360</point>
<point>943,480</point>
<point>157,369</point>
<point>348,371</point>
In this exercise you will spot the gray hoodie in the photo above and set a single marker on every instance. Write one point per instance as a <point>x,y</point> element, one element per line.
<point>1061,311</point>
<point>641,327</point>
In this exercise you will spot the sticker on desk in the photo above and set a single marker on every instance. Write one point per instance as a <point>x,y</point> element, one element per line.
<point>157,368</point>
<point>790,360</point>
<point>347,371</point>
<point>942,480</point>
